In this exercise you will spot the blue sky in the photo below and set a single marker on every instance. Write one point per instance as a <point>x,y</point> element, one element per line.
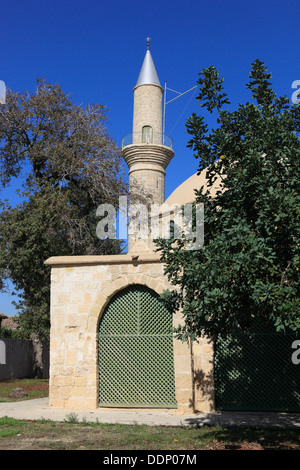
<point>94,49</point>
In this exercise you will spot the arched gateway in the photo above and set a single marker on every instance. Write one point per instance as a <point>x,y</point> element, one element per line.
<point>136,365</point>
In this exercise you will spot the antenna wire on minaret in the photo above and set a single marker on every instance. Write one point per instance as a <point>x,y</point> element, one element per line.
<point>176,97</point>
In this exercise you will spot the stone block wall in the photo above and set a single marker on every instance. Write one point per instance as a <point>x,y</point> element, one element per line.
<point>81,287</point>
<point>147,97</point>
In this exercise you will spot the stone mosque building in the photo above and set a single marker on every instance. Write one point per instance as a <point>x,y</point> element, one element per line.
<point>111,340</point>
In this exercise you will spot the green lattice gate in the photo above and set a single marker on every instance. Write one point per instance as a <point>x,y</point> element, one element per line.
<point>136,365</point>
<point>255,372</point>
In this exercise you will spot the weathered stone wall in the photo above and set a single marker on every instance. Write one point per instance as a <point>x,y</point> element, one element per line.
<point>81,287</point>
<point>203,353</point>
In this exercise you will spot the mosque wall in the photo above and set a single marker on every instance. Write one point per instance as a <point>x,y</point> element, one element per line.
<point>81,287</point>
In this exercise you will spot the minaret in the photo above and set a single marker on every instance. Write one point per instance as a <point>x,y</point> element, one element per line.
<point>147,151</point>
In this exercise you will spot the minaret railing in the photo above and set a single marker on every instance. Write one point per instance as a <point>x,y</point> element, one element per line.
<point>154,138</point>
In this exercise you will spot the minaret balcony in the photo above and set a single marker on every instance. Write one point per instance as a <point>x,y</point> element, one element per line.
<point>154,138</point>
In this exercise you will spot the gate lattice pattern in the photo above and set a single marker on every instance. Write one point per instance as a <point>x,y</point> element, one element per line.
<point>136,365</point>
<point>255,372</point>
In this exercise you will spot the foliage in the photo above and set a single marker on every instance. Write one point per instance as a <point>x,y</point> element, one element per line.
<point>10,333</point>
<point>248,266</point>
<point>69,165</point>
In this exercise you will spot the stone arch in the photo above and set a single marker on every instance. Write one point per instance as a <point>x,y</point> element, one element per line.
<point>135,355</point>
<point>102,300</point>
<point>112,287</point>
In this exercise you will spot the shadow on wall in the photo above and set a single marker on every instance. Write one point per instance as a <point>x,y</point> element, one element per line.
<point>204,388</point>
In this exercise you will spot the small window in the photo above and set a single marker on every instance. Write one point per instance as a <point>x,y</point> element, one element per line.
<point>172,229</point>
<point>147,135</point>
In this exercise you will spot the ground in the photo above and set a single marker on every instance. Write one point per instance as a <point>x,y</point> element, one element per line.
<point>35,388</point>
<point>75,435</point>
<point>49,435</point>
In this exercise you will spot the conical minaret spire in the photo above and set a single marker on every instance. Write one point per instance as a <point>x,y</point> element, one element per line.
<point>148,74</point>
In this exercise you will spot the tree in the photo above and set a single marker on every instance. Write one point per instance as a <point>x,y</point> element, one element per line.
<point>248,267</point>
<point>69,164</point>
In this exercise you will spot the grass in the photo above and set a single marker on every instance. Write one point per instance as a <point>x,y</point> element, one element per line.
<point>35,388</point>
<point>74,435</point>
<point>10,426</point>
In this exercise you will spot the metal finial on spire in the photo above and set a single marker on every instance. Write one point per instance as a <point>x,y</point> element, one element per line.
<point>148,74</point>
